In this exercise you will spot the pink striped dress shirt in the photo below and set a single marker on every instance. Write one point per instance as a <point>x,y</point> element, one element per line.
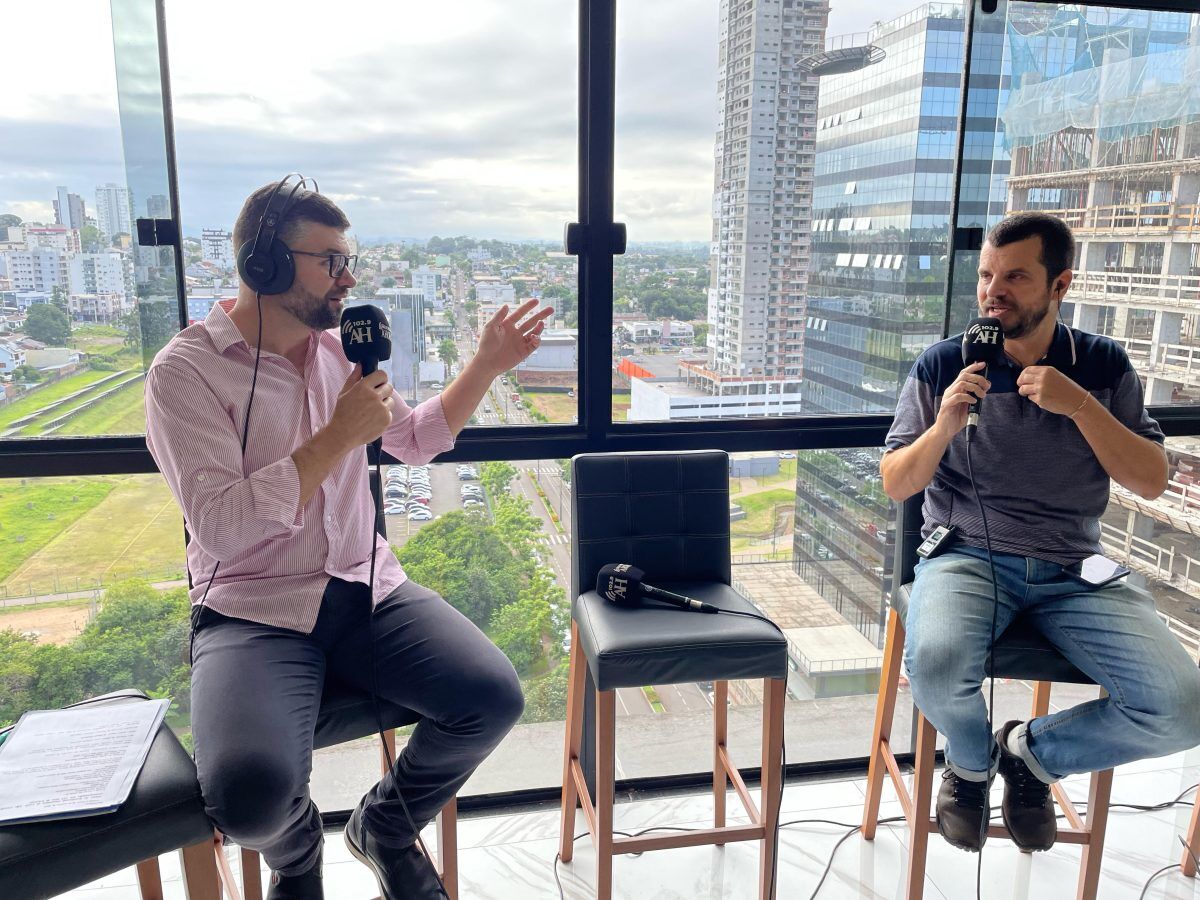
<point>275,556</point>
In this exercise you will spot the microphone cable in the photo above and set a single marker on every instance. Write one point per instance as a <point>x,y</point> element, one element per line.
<point>987,540</point>
<point>387,750</point>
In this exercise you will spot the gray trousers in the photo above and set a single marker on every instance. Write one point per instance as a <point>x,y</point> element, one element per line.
<point>255,694</point>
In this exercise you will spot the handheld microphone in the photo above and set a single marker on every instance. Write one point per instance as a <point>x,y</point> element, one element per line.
<point>622,584</point>
<point>366,339</point>
<point>983,341</point>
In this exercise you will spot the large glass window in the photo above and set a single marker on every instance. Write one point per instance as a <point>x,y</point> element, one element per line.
<point>794,264</point>
<point>446,135</point>
<point>83,305</point>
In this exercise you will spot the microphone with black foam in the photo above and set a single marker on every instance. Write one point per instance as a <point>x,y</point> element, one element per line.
<point>623,584</point>
<point>366,339</point>
<point>983,341</point>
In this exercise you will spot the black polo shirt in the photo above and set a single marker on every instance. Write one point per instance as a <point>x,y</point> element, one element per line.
<point>1042,486</point>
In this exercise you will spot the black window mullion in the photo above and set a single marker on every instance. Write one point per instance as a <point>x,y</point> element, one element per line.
<point>597,109</point>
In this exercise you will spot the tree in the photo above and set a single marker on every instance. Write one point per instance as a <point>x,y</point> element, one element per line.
<point>546,697</point>
<point>700,333</point>
<point>466,562</point>
<point>157,322</point>
<point>8,220</point>
<point>496,476</point>
<point>58,297</point>
<point>517,629</point>
<point>27,374</point>
<point>48,324</point>
<point>92,241</point>
<point>447,351</point>
<point>139,639</point>
<point>388,282</point>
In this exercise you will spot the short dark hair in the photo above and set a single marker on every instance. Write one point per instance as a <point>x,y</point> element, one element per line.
<point>1058,244</point>
<point>306,206</point>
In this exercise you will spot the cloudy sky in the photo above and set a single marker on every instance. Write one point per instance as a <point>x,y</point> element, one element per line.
<point>459,119</point>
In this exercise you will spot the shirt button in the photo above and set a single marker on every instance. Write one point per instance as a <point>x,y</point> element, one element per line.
<point>199,477</point>
<point>329,518</point>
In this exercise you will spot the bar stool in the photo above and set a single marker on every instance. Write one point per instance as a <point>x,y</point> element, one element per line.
<point>345,715</point>
<point>667,514</point>
<point>164,812</point>
<point>1020,653</point>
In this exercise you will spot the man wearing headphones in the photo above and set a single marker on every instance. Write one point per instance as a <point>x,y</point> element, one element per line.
<point>259,423</point>
<point>1064,414</point>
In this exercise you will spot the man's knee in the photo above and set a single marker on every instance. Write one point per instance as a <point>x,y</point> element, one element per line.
<point>1173,715</point>
<point>938,666</point>
<point>250,796</point>
<point>493,696</point>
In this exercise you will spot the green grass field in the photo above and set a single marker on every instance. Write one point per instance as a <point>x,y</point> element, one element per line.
<point>561,408</point>
<point>102,340</point>
<point>761,510</point>
<point>33,512</point>
<point>40,396</point>
<point>124,526</point>
<point>122,413</point>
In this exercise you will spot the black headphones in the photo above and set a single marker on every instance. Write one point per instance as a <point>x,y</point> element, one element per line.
<point>266,264</point>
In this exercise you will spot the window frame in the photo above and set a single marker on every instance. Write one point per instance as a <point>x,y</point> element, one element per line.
<point>596,239</point>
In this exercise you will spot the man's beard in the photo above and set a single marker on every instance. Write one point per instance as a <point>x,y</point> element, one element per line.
<point>313,310</point>
<point>1027,322</point>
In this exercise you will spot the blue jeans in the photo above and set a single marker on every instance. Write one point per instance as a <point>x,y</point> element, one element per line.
<point>1110,633</point>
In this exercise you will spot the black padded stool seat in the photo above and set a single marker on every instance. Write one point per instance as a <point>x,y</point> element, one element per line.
<point>653,644</point>
<point>164,812</point>
<point>1021,651</point>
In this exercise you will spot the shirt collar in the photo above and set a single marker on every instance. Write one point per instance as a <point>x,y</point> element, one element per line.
<point>224,334</point>
<point>221,330</point>
<point>1060,355</point>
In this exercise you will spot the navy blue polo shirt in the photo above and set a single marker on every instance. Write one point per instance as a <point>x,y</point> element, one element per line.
<point>1042,486</point>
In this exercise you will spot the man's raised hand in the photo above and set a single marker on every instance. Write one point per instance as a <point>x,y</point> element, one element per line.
<point>509,337</point>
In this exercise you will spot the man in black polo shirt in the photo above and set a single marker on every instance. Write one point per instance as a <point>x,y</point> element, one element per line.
<point>1063,416</point>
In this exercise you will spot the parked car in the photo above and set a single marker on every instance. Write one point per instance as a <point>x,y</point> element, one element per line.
<point>420,515</point>
<point>392,509</point>
<point>469,502</point>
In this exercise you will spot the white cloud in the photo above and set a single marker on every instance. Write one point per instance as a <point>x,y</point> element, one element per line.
<point>419,118</point>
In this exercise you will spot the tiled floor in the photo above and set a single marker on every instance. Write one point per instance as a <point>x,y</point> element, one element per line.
<point>511,857</point>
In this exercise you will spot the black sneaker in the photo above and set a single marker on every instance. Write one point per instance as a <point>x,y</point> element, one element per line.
<point>962,808</point>
<point>306,886</point>
<point>403,874</point>
<point>1027,807</point>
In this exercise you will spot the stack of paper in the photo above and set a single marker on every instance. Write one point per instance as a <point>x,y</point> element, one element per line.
<point>79,761</point>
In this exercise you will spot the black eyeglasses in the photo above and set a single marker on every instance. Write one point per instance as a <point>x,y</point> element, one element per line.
<point>338,262</point>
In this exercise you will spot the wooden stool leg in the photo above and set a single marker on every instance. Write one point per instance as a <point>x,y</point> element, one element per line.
<point>1097,820</point>
<point>606,748</point>
<point>720,743</point>
<point>885,709</point>
<point>1188,864</point>
<point>1041,699</point>
<point>918,823</point>
<point>251,875</point>
<point>447,846</point>
<point>572,740</point>
<point>149,879</point>
<point>200,880</point>
<point>774,695</point>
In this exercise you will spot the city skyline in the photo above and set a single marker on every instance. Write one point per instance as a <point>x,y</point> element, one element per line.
<point>485,147</point>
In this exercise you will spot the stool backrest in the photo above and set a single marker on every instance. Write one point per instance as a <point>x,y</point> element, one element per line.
<point>666,513</point>
<point>908,538</point>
